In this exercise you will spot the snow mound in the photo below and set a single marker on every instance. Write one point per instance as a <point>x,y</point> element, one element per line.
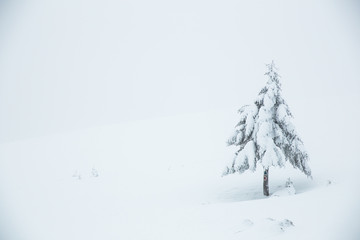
<point>287,191</point>
<point>246,224</point>
<point>264,227</point>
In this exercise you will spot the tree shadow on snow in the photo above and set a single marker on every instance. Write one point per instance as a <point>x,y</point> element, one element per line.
<point>254,191</point>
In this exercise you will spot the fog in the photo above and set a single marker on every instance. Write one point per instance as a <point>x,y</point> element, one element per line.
<point>73,64</point>
<point>84,84</point>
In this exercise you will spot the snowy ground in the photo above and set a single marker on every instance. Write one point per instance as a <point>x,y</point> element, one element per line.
<point>161,179</point>
<point>163,73</point>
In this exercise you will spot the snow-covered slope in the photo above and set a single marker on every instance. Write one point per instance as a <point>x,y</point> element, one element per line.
<point>164,73</point>
<point>161,179</point>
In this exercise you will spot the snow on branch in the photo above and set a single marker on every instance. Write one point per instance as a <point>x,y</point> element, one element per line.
<point>265,134</point>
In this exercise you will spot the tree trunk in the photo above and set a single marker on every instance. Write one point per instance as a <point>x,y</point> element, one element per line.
<point>266,182</point>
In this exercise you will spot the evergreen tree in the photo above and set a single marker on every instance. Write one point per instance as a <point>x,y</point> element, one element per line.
<point>265,134</point>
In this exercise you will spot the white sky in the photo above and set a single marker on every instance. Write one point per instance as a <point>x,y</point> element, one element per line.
<point>74,63</point>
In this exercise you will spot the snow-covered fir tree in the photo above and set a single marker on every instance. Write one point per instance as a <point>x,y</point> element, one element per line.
<point>265,135</point>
